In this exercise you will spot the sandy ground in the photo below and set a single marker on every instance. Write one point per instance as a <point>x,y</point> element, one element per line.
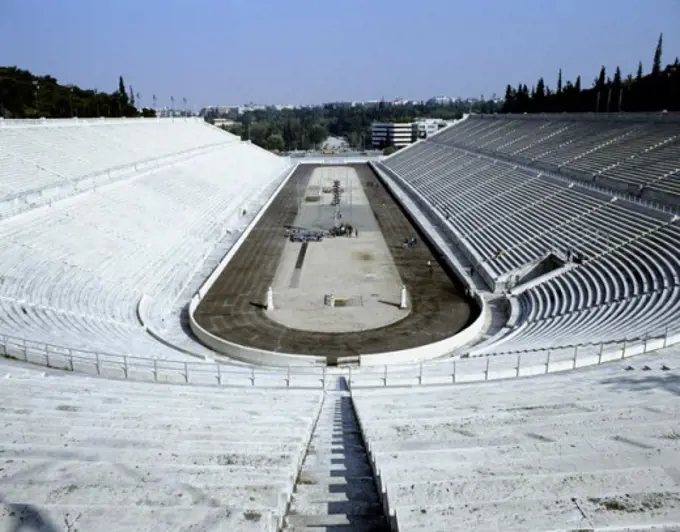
<point>358,269</point>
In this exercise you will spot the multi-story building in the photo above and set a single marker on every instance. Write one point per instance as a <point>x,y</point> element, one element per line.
<point>385,134</point>
<point>402,134</point>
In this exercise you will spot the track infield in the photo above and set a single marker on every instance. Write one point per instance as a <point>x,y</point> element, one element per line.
<point>233,307</point>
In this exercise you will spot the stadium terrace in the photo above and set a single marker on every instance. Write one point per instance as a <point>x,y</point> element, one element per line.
<point>480,331</point>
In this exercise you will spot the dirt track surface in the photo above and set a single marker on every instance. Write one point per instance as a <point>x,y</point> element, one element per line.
<point>232,308</point>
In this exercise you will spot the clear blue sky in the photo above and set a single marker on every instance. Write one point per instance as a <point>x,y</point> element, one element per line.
<point>305,51</point>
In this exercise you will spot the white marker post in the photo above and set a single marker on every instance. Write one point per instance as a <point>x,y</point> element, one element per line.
<point>403,303</point>
<point>270,298</point>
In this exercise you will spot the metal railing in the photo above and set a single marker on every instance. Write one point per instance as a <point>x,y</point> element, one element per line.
<point>136,368</point>
<point>452,370</point>
<point>505,366</point>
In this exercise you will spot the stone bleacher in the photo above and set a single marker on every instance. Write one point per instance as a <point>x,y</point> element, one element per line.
<point>46,160</point>
<point>582,450</point>
<point>637,155</point>
<point>96,454</point>
<point>74,271</point>
<point>620,273</point>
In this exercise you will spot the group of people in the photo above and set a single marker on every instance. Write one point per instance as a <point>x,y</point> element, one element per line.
<point>408,242</point>
<point>344,230</point>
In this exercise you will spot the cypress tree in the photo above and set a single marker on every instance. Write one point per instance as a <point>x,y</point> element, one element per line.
<point>617,77</point>
<point>509,99</point>
<point>540,89</point>
<point>656,67</point>
<point>559,82</point>
<point>638,76</point>
<point>601,80</point>
<point>121,87</point>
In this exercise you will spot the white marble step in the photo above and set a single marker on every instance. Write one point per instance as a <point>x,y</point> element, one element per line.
<point>434,466</point>
<point>521,486</point>
<point>79,472</point>
<point>161,493</point>
<point>547,513</point>
<point>135,518</point>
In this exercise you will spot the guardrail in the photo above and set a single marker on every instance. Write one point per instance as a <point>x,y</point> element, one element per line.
<point>521,364</point>
<point>135,368</point>
<point>450,371</point>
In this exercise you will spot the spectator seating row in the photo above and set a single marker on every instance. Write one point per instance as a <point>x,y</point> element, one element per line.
<point>73,273</point>
<point>80,453</point>
<point>45,160</point>
<point>639,156</point>
<point>624,277</point>
<point>580,450</point>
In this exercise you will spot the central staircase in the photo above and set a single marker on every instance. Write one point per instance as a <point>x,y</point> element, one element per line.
<point>335,490</point>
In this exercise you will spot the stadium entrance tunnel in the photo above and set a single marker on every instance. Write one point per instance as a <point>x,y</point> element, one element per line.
<point>230,315</point>
<point>549,263</point>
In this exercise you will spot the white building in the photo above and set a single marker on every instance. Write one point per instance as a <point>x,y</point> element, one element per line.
<point>399,135</point>
<point>392,134</point>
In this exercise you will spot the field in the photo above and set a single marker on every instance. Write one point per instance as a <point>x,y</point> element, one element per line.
<point>233,308</point>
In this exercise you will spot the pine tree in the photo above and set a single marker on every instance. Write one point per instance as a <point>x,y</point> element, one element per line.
<point>656,67</point>
<point>577,85</point>
<point>559,82</point>
<point>617,77</point>
<point>132,96</point>
<point>638,76</point>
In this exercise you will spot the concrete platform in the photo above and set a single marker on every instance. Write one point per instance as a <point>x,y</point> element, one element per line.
<point>358,270</point>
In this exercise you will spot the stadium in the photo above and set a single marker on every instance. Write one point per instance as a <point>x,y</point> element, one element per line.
<point>478,332</point>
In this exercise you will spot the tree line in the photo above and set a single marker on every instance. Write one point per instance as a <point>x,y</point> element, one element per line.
<point>655,91</point>
<point>307,128</point>
<point>24,95</point>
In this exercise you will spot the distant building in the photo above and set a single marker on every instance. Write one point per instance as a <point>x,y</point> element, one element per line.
<point>223,122</point>
<point>399,135</point>
<point>385,134</point>
<point>427,127</point>
<point>440,100</point>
